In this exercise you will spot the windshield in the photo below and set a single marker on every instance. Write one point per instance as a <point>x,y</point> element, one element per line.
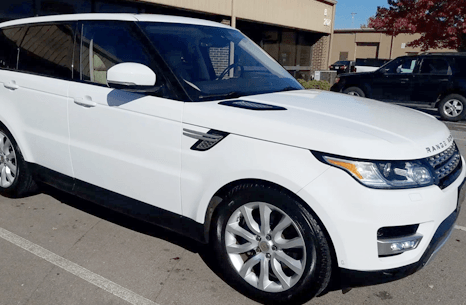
<point>217,63</point>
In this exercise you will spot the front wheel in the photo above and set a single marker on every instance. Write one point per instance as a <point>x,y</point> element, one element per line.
<point>269,246</point>
<point>452,107</point>
<point>354,91</point>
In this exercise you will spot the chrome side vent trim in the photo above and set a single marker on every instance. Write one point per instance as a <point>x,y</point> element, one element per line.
<point>206,140</point>
<point>251,105</point>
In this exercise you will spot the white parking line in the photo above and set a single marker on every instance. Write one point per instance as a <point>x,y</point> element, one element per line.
<point>460,228</point>
<point>75,269</point>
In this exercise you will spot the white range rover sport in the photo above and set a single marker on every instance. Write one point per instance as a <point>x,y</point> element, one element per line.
<point>188,124</point>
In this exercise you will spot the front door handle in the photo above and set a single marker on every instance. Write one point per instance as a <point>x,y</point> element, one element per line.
<point>11,85</point>
<point>85,102</point>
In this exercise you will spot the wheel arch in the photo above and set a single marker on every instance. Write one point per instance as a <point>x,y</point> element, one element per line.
<point>444,94</point>
<point>19,138</point>
<point>363,86</point>
<point>216,203</point>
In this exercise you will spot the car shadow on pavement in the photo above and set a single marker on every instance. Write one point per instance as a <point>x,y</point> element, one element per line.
<point>123,220</point>
<point>137,225</point>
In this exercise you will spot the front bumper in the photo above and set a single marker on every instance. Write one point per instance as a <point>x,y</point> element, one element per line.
<point>353,278</point>
<point>352,215</point>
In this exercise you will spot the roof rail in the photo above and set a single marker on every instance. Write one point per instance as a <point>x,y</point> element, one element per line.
<point>443,53</point>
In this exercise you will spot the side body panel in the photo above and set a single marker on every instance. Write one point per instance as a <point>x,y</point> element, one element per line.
<point>37,114</point>
<point>238,158</point>
<point>127,143</point>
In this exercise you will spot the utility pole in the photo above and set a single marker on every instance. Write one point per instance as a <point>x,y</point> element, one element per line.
<point>352,19</point>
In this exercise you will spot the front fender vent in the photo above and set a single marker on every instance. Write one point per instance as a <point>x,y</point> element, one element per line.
<point>206,140</point>
<point>251,105</point>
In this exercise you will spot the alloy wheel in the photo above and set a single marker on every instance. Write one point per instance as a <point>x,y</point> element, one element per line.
<point>453,107</point>
<point>265,247</point>
<point>8,162</point>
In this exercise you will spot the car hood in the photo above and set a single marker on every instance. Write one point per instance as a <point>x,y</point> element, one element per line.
<point>329,122</point>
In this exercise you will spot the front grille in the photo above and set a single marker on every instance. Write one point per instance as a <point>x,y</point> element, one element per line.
<point>447,166</point>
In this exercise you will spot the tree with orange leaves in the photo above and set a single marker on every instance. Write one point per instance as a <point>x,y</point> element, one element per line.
<point>441,23</point>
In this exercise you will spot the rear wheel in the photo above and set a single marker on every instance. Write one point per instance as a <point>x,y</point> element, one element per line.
<point>452,107</point>
<point>15,179</point>
<point>354,91</point>
<point>269,246</point>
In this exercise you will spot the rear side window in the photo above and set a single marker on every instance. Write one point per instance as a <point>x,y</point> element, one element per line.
<point>460,63</point>
<point>10,39</point>
<point>48,50</point>
<point>436,66</point>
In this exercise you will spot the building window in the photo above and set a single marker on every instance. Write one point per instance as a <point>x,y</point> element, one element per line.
<point>343,56</point>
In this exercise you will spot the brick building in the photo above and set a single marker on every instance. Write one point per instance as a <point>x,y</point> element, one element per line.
<point>297,33</point>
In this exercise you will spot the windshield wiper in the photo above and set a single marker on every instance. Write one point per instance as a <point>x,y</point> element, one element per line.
<point>224,96</point>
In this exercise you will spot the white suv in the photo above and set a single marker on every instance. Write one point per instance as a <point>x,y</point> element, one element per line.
<point>188,124</point>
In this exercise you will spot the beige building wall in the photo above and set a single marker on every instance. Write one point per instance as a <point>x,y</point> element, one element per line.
<point>291,16</point>
<point>367,43</point>
<point>308,15</point>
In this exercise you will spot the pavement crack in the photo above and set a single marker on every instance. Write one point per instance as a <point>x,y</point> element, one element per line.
<point>79,239</point>
<point>38,285</point>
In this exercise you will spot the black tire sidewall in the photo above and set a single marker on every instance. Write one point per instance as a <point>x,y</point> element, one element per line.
<point>314,279</point>
<point>355,89</point>
<point>446,99</point>
<point>18,187</point>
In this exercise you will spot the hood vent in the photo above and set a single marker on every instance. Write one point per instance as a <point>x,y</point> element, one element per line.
<point>251,105</point>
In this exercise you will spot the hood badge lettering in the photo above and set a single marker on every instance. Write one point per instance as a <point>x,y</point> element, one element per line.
<point>441,145</point>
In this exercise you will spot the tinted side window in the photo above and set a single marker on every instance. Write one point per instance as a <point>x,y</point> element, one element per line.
<point>48,50</point>
<point>10,40</point>
<point>105,44</point>
<point>460,63</point>
<point>434,66</point>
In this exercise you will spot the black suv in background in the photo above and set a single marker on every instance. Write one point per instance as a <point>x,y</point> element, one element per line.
<point>435,79</point>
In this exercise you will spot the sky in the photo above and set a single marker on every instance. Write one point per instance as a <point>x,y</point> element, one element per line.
<point>363,9</point>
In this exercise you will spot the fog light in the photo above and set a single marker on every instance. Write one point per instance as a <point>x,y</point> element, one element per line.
<point>408,245</point>
<point>392,246</point>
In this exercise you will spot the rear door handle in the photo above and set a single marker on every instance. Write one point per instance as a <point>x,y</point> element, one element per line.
<point>85,102</point>
<point>11,85</point>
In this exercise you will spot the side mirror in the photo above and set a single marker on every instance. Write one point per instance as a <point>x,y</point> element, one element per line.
<point>130,74</point>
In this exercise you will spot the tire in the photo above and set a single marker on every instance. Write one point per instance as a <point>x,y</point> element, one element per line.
<point>354,91</point>
<point>452,107</point>
<point>285,262</point>
<point>15,179</point>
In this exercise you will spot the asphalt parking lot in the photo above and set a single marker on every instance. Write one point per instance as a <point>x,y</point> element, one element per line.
<point>58,249</point>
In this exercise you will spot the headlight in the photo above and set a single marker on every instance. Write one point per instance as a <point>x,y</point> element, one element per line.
<point>384,174</point>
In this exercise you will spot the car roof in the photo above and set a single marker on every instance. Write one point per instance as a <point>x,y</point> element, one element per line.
<point>443,54</point>
<point>118,17</point>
